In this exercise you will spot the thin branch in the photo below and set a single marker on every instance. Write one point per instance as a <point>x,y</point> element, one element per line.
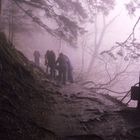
<point>105,28</point>
<point>128,93</point>
<point>133,30</point>
<point>108,90</point>
<point>35,19</point>
<point>56,32</point>
<point>115,77</point>
<point>112,20</point>
<point>124,42</point>
<point>106,67</point>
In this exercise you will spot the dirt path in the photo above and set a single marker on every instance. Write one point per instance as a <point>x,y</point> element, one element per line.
<point>77,111</point>
<point>73,110</point>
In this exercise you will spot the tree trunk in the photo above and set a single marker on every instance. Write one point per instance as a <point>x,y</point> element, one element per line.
<point>97,42</point>
<point>96,48</point>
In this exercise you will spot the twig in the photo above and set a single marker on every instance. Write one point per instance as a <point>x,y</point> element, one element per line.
<point>133,30</point>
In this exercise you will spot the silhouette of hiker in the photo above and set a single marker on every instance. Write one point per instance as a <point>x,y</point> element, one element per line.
<point>69,69</point>
<point>61,66</point>
<point>47,55</point>
<point>52,64</point>
<point>37,58</point>
<point>50,59</point>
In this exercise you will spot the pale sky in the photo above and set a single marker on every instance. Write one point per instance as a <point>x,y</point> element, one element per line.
<point>122,26</point>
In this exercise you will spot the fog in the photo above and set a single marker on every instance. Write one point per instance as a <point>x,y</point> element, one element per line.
<point>69,69</point>
<point>118,31</point>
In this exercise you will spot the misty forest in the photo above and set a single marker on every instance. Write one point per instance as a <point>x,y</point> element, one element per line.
<point>69,69</point>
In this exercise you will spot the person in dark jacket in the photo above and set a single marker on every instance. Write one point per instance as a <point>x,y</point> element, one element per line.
<point>46,61</point>
<point>50,59</point>
<point>61,66</point>
<point>64,68</point>
<point>52,64</point>
<point>69,69</point>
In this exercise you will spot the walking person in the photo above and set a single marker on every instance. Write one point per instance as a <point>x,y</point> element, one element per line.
<point>47,55</point>
<point>50,59</point>
<point>52,64</point>
<point>69,69</point>
<point>61,65</point>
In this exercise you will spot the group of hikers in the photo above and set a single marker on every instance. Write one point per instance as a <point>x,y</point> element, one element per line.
<point>59,69</point>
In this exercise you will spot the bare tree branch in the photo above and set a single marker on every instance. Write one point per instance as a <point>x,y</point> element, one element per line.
<point>67,30</point>
<point>35,19</point>
<point>115,76</point>
<point>106,67</point>
<point>128,93</point>
<point>133,30</point>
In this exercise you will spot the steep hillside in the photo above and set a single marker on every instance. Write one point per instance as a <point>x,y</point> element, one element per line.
<point>33,108</point>
<point>20,97</point>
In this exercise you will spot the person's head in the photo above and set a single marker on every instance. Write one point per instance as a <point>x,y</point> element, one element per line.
<point>61,55</point>
<point>36,51</point>
<point>48,51</point>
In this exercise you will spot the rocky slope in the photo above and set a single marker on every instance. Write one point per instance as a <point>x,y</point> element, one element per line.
<point>33,108</point>
<point>22,98</point>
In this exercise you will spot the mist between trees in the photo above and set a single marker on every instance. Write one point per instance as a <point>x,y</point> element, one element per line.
<point>104,57</point>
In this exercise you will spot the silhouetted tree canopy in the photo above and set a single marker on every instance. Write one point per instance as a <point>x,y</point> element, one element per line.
<point>132,6</point>
<point>70,16</point>
<point>67,15</point>
<point>103,6</point>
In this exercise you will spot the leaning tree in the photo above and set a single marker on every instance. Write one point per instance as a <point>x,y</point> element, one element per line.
<point>67,15</point>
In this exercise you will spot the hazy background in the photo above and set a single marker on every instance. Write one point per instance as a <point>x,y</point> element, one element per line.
<point>118,31</point>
